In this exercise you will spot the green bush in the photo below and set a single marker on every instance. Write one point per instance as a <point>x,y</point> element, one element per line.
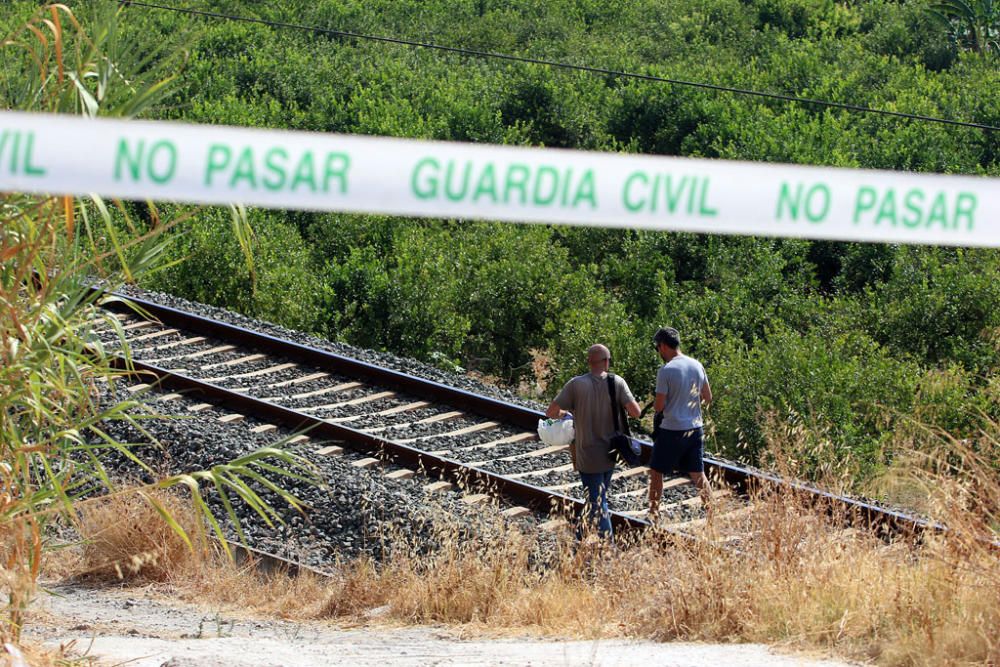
<point>598,318</point>
<point>404,301</point>
<point>843,386</point>
<point>952,401</point>
<point>940,305</point>
<point>279,286</point>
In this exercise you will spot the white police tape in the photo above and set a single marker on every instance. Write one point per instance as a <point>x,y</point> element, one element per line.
<point>163,161</point>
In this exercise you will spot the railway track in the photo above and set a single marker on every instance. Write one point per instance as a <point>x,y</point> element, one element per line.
<point>413,425</point>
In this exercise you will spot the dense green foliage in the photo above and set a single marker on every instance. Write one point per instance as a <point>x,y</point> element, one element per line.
<point>849,340</point>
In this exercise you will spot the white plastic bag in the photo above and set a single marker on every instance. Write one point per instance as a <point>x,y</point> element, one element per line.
<point>556,431</point>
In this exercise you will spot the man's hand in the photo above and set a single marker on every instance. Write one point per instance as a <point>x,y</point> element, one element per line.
<point>554,411</point>
<point>657,420</point>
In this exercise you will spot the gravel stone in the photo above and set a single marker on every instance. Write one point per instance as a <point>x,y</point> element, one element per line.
<point>353,512</point>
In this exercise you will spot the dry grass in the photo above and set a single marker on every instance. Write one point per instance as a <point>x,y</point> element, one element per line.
<point>796,579</point>
<point>28,654</point>
<point>124,537</point>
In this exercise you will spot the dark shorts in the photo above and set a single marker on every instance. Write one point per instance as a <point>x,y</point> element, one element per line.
<point>681,451</point>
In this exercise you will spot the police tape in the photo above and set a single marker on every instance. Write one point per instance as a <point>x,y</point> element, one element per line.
<point>165,161</point>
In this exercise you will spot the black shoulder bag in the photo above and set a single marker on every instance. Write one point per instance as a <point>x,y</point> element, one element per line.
<point>623,448</point>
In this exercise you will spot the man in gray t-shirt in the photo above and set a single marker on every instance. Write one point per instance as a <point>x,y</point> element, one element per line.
<point>681,387</point>
<point>588,398</point>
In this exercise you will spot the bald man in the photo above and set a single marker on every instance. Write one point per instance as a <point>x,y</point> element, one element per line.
<point>587,397</point>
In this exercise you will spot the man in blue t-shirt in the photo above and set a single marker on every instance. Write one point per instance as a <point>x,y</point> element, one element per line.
<point>681,387</point>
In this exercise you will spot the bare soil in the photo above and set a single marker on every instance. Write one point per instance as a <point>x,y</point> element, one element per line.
<point>144,628</point>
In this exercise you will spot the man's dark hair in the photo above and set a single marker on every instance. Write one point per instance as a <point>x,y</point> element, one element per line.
<point>668,335</point>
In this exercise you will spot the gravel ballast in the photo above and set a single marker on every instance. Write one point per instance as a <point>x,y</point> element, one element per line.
<point>351,512</point>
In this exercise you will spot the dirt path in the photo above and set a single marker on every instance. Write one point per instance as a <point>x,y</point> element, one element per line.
<point>141,629</point>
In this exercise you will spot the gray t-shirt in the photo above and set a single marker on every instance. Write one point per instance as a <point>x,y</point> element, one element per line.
<point>681,379</point>
<point>586,396</point>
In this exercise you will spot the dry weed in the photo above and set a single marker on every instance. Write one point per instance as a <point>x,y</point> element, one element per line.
<point>27,654</point>
<point>125,537</point>
<point>796,576</point>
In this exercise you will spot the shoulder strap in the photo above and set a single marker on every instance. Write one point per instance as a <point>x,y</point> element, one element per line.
<point>614,400</point>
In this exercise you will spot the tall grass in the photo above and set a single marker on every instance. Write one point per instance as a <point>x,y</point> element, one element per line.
<point>795,576</point>
<point>52,443</point>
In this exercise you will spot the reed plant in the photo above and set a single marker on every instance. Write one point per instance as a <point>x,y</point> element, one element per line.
<point>56,379</point>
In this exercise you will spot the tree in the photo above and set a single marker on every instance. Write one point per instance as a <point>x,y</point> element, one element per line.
<point>972,24</point>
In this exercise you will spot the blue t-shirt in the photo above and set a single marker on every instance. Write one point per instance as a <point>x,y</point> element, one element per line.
<point>681,379</point>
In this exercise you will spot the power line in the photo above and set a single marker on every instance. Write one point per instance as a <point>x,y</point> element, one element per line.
<point>568,66</point>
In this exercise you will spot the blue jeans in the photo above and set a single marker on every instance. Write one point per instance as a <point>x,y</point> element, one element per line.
<point>597,485</point>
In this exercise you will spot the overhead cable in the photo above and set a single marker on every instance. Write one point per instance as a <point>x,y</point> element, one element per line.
<point>561,65</point>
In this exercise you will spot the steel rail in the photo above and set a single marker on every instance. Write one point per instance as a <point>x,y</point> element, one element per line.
<point>267,562</point>
<point>329,361</point>
<point>745,480</point>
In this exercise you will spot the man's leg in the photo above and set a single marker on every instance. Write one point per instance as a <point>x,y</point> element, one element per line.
<point>704,489</point>
<point>662,460</point>
<point>596,511</point>
<point>655,492</point>
<point>591,483</point>
<point>604,525</point>
<point>695,464</point>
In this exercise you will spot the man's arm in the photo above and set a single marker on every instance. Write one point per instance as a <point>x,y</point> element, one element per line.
<point>659,402</point>
<point>706,393</point>
<point>625,398</point>
<point>554,411</point>
<point>562,403</point>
